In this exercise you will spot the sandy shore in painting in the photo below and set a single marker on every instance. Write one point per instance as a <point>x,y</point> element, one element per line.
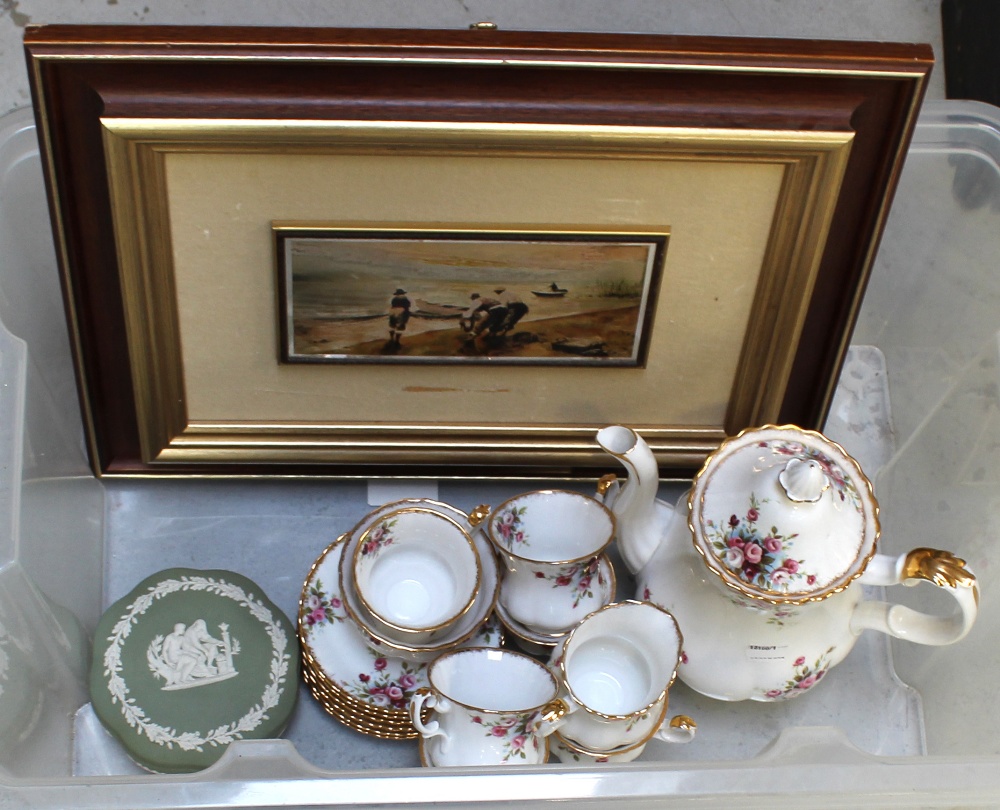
<point>615,328</point>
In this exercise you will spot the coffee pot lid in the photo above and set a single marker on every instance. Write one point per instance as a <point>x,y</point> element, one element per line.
<point>783,515</point>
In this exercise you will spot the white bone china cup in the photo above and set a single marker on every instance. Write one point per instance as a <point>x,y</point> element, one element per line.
<point>416,572</point>
<point>552,545</point>
<point>487,708</point>
<point>616,667</point>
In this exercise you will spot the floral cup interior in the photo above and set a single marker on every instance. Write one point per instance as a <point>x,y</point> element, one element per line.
<point>416,570</point>
<point>622,658</point>
<point>493,680</point>
<point>552,526</point>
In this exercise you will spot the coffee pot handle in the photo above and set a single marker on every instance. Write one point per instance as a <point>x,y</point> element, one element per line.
<point>941,568</point>
<point>679,729</point>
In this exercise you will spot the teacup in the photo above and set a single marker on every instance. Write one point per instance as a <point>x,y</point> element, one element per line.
<point>616,667</point>
<point>416,572</point>
<point>552,544</point>
<point>488,708</point>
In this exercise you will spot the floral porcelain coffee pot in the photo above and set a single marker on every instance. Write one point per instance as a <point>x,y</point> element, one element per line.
<point>769,596</point>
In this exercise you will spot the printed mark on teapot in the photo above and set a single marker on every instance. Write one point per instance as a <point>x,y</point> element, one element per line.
<point>190,656</point>
<point>767,652</point>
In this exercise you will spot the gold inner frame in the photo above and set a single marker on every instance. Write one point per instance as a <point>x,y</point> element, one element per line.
<point>138,156</point>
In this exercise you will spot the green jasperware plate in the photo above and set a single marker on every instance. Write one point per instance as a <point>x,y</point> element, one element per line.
<point>189,662</point>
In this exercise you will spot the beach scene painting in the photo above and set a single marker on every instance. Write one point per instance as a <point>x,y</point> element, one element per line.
<point>440,297</point>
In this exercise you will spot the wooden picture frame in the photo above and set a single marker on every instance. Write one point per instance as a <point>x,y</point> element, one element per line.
<point>170,154</point>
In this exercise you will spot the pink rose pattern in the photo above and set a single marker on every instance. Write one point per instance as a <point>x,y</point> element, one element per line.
<point>804,676</point>
<point>388,682</point>
<point>378,539</point>
<point>756,556</point>
<point>508,527</point>
<point>579,578</point>
<point>515,733</point>
<point>840,484</point>
<point>381,688</point>
<point>320,608</point>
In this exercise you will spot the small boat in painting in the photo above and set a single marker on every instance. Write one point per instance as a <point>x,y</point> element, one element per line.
<point>428,309</point>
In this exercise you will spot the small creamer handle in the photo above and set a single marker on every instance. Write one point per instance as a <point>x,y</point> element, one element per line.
<point>608,487</point>
<point>679,729</point>
<point>554,714</point>
<point>941,568</point>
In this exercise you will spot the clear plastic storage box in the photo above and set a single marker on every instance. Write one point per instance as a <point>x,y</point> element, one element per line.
<point>895,725</point>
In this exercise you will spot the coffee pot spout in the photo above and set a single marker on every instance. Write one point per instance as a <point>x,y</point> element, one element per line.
<point>640,524</point>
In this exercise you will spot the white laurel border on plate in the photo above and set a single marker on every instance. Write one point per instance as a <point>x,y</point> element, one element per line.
<point>134,714</point>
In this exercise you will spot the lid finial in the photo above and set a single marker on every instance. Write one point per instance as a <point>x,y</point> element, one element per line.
<point>804,480</point>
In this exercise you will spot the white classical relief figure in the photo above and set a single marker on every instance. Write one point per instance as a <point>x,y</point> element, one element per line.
<point>190,656</point>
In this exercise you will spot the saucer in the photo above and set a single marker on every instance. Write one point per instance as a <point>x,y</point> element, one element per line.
<point>354,715</point>
<point>464,629</point>
<point>570,753</point>
<point>367,691</point>
<point>529,640</point>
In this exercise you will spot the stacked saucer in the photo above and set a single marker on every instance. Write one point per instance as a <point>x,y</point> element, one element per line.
<point>572,753</point>
<point>360,679</point>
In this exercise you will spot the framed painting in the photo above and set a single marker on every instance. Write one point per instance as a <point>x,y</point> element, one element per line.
<point>328,252</point>
<point>410,296</point>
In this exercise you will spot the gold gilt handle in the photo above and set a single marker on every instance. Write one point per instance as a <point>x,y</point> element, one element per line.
<point>941,568</point>
<point>607,489</point>
<point>478,515</point>
<point>552,715</point>
<point>679,729</point>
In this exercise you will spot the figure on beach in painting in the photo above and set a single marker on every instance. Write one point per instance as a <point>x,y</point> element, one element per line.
<point>516,308</point>
<point>399,314</point>
<point>495,316</point>
<point>483,313</point>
